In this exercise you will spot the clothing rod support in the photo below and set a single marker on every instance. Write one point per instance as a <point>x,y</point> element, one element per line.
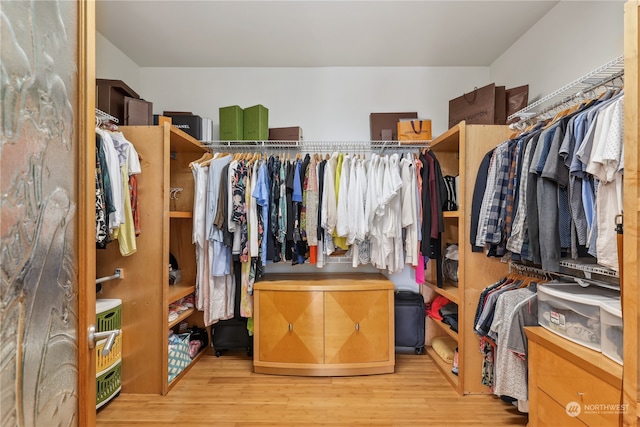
<point>119,274</point>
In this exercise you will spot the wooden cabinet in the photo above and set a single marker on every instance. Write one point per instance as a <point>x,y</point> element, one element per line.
<point>570,384</point>
<point>460,151</point>
<point>289,326</point>
<point>166,226</point>
<point>324,325</point>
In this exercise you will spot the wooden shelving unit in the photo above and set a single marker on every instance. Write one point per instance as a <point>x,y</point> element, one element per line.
<point>166,225</point>
<point>460,151</point>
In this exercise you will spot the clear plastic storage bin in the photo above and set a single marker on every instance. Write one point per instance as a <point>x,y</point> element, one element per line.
<point>573,312</point>
<point>612,331</point>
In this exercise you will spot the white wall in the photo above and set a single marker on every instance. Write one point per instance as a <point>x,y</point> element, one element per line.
<point>574,38</point>
<point>328,103</point>
<point>112,64</point>
<point>571,40</point>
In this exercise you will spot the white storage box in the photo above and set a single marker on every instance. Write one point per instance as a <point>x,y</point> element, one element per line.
<point>573,312</point>
<point>611,316</point>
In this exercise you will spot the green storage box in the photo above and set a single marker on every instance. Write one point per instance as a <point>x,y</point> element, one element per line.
<point>231,123</point>
<point>108,385</point>
<point>256,123</point>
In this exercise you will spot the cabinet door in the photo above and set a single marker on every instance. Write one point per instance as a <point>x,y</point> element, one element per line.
<point>291,327</point>
<point>357,326</point>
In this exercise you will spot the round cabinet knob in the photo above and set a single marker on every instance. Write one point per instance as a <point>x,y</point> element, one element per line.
<point>290,327</point>
<point>357,326</point>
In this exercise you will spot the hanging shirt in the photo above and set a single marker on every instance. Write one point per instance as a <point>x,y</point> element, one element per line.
<point>262,196</point>
<point>312,204</point>
<point>409,218</point>
<point>115,178</point>
<point>342,204</point>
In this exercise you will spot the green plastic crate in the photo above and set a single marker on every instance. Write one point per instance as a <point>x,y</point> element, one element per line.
<point>108,314</point>
<point>108,385</point>
<point>231,123</point>
<point>256,123</point>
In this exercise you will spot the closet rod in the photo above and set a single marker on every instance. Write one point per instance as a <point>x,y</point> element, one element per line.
<point>596,78</point>
<point>579,95</point>
<point>527,270</point>
<point>324,146</point>
<point>119,274</point>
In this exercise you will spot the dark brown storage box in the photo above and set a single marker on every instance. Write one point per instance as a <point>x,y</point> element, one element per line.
<point>110,97</point>
<point>384,126</point>
<point>137,112</point>
<point>293,133</point>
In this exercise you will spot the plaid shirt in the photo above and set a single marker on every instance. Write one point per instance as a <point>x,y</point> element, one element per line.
<point>483,217</point>
<point>508,213</point>
<point>495,223</point>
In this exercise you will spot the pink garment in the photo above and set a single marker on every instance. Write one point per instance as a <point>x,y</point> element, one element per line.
<point>420,270</point>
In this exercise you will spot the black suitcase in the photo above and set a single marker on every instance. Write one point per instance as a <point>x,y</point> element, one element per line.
<point>232,334</point>
<point>410,313</point>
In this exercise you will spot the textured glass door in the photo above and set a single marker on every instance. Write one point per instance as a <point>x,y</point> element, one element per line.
<point>41,108</point>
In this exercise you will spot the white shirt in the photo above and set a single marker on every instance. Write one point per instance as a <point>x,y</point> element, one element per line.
<point>342,218</point>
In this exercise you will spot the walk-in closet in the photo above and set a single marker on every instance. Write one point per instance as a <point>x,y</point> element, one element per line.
<point>305,213</point>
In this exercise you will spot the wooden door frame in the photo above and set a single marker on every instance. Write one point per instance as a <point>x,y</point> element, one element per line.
<point>86,210</point>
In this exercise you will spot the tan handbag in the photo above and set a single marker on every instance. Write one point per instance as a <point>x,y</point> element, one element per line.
<point>414,130</point>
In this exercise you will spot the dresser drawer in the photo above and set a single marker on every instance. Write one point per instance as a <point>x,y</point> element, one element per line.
<point>566,382</point>
<point>552,414</point>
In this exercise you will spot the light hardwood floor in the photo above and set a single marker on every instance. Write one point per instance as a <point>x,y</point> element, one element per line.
<point>224,392</point>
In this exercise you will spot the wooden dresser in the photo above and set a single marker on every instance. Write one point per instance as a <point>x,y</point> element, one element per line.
<point>571,385</point>
<point>324,325</point>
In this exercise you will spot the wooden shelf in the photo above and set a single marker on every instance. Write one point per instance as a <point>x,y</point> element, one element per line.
<point>444,327</point>
<point>448,291</point>
<point>460,151</point>
<point>179,291</point>
<point>444,367</point>
<point>181,141</point>
<point>188,312</point>
<point>180,214</point>
<point>450,140</point>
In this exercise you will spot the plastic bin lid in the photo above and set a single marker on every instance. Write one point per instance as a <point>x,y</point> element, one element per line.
<point>591,295</point>
<point>103,305</point>
<point>612,307</point>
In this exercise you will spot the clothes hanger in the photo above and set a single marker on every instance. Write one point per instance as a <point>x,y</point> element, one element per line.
<point>205,156</point>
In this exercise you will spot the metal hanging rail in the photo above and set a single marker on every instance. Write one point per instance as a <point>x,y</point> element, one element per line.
<point>569,270</point>
<point>118,274</point>
<point>318,146</point>
<point>102,116</point>
<point>573,91</point>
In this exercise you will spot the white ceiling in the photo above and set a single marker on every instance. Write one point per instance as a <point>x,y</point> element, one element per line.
<point>324,33</point>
